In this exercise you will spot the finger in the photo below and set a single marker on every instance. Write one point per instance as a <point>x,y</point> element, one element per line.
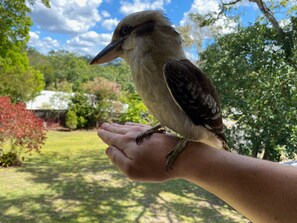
<point>136,124</point>
<point>109,138</point>
<point>117,157</point>
<point>115,128</point>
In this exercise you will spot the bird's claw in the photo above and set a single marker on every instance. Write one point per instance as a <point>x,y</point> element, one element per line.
<point>174,153</point>
<point>148,133</point>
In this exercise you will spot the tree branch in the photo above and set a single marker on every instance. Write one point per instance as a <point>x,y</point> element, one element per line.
<point>267,13</point>
<point>230,3</point>
<point>283,37</point>
<point>224,7</point>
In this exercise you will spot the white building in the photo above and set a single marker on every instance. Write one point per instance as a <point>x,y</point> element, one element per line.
<point>50,106</point>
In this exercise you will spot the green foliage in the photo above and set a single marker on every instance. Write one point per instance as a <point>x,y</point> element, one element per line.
<point>71,119</point>
<point>68,67</point>
<point>15,24</point>
<point>68,72</point>
<point>215,23</point>
<point>9,159</point>
<point>65,71</point>
<point>254,69</point>
<point>42,63</point>
<point>82,106</point>
<point>17,79</point>
<point>258,89</point>
<point>101,103</point>
<point>102,88</point>
<point>119,73</point>
<point>90,110</point>
<point>45,2</point>
<point>136,111</point>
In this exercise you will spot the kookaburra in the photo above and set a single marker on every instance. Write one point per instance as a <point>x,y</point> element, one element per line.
<point>178,94</point>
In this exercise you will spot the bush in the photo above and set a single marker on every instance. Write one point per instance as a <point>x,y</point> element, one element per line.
<point>102,88</point>
<point>9,159</point>
<point>71,119</point>
<point>136,112</point>
<point>82,106</point>
<point>21,129</point>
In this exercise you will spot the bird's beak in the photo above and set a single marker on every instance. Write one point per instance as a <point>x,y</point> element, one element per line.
<point>109,53</point>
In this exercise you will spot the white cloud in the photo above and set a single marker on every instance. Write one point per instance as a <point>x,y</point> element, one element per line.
<point>128,7</point>
<point>105,14</point>
<point>110,24</point>
<point>44,45</point>
<point>34,35</point>
<point>73,17</point>
<point>203,7</point>
<point>88,43</point>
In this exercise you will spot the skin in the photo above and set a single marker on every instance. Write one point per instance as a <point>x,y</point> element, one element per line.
<point>262,191</point>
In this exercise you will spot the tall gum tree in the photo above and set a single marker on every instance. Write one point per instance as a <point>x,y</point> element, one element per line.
<point>17,78</point>
<point>254,69</point>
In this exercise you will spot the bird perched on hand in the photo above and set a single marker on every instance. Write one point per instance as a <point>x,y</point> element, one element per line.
<point>177,93</point>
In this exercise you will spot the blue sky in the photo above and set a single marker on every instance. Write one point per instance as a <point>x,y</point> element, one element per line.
<point>85,26</point>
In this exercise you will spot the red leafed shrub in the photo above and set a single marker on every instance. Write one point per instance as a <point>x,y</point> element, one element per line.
<point>20,128</point>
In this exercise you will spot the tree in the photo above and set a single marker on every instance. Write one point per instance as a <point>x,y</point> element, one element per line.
<point>136,110</point>
<point>82,106</point>
<point>19,128</point>
<point>71,119</point>
<point>268,10</point>
<point>118,72</point>
<point>17,78</point>
<point>258,89</point>
<point>106,94</point>
<point>66,71</point>
<point>254,69</point>
<point>102,88</point>
<point>42,63</point>
<point>68,67</point>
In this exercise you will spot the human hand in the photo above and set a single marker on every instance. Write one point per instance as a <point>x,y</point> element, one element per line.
<point>245,183</point>
<point>143,162</point>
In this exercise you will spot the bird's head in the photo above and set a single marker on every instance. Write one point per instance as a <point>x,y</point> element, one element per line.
<point>138,34</point>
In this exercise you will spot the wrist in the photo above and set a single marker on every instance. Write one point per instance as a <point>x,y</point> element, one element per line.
<point>193,163</point>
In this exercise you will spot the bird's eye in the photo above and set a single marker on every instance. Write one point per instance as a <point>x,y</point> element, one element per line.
<point>125,30</point>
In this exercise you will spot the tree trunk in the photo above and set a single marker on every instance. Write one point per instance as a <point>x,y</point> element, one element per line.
<point>266,155</point>
<point>283,37</point>
<point>267,13</point>
<point>255,152</point>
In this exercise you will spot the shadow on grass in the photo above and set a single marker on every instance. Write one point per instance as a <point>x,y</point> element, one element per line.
<point>87,188</point>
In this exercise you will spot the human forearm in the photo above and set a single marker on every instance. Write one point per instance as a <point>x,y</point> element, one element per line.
<point>262,191</point>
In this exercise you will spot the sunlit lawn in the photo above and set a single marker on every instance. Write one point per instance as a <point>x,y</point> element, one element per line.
<point>73,181</point>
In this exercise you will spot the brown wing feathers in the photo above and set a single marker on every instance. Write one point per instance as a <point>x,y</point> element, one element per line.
<point>195,94</point>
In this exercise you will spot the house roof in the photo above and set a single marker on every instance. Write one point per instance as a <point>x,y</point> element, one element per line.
<point>50,100</point>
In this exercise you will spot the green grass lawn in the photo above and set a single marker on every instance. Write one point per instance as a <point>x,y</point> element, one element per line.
<point>73,181</point>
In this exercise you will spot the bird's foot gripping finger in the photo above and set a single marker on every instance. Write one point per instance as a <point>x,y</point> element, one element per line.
<point>174,153</point>
<point>156,129</point>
